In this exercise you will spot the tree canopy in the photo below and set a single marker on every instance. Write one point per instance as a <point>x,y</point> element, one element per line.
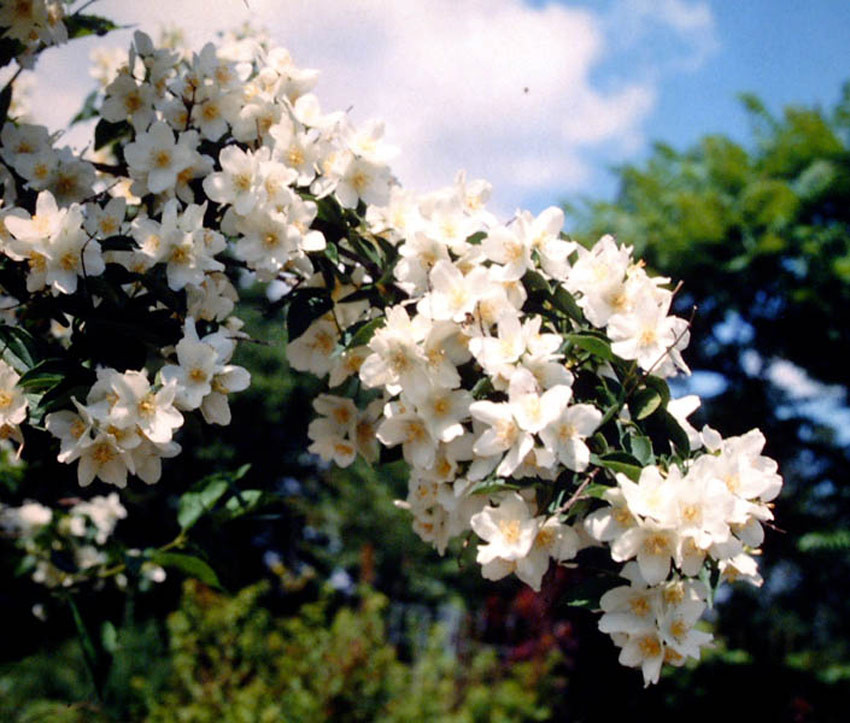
<point>759,235</point>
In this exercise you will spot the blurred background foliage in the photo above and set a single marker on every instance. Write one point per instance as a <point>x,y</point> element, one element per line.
<point>759,237</point>
<point>356,619</point>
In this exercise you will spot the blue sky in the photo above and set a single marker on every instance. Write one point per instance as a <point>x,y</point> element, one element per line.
<point>540,97</point>
<point>784,51</point>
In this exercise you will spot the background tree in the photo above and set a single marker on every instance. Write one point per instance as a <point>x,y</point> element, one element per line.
<point>759,236</point>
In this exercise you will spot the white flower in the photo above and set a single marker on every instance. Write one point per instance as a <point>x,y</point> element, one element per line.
<point>237,182</point>
<point>509,531</point>
<point>311,352</point>
<point>503,436</point>
<point>194,372</point>
<point>128,100</point>
<point>156,158</point>
<point>566,434</point>
<point>105,459</point>
<point>151,411</point>
<point>453,295</point>
<point>397,359</point>
<point>649,336</point>
<point>13,403</point>
<point>363,180</point>
<point>402,425</point>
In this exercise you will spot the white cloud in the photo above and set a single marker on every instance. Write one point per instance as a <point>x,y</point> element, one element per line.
<point>689,24</point>
<point>498,87</point>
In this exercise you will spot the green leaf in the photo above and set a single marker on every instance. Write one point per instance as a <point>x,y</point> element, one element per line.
<point>619,462</point>
<point>641,448</point>
<point>492,486</point>
<point>106,132</point>
<point>564,301</point>
<point>81,25</point>
<point>586,594</point>
<point>189,564</point>
<point>243,502</point>
<point>596,345</point>
<point>823,541</point>
<point>118,243</point>
<point>364,333</point>
<point>200,500</point>
<point>535,282</point>
<point>96,661</point>
<point>328,209</point>
<point>9,50</point>
<point>89,109</point>
<point>678,437</point>
<point>660,386</point>
<point>365,249</point>
<point>18,348</point>
<point>596,490</point>
<point>5,102</point>
<point>482,387</point>
<point>644,402</point>
<point>306,306</point>
<point>109,637</point>
<point>332,253</point>
<point>45,375</point>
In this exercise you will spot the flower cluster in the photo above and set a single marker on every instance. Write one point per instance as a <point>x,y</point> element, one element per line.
<point>520,375</point>
<point>34,24</point>
<point>513,368</point>
<point>13,404</point>
<point>65,546</point>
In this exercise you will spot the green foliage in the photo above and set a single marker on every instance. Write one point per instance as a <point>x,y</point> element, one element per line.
<point>759,234</point>
<point>54,684</point>
<point>233,661</point>
<point>230,659</point>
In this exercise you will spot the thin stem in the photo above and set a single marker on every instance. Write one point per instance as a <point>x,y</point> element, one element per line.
<point>578,494</point>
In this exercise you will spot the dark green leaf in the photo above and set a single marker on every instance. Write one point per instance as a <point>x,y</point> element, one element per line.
<point>9,50</point>
<point>482,387</point>
<point>619,462</point>
<point>109,637</point>
<point>95,656</point>
<point>678,437</point>
<point>644,402</point>
<point>18,348</point>
<point>492,486</point>
<point>188,564</point>
<point>596,490</point>
<point>106,132</point>
<point>534,282</point>
<point>660,386</point>
<point>89,109</point>
<point>826,541</point>
<point>592,343</point>
<point>586,594</point>
<point>365,332</point>
<point>564,301</point>
<point>118,243</point>
<point>199,500</point>
<point>332,253</point>
<point>5,102</point>
<point>641,448</point>
<point>243,502</point>
<point>46,375</point>
<point>306,306</point>
<point>81,25</point>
